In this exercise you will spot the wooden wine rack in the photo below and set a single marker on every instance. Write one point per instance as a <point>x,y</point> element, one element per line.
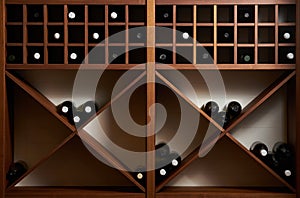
<point>49,145</point>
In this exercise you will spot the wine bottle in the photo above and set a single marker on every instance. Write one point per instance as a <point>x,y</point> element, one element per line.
<point>16,170</point>
<point>211,108</point>
<point>225,35</point>
<point>164,14</point>
<point>286,55</point>
<point>116,13</point>
<point>65,109</point>
<point>35,13</point>
<point>286,34</point>
<point>35,55</point>
<point>290,56</point>
<point>234,109</point>
<point>75,13</point>
<point>222,118</point>
<point>140,174</point>
<point>245,58</point>
<point>245,14</point>
<point>55,34</point>
<point>162,150</point>
<point>260,150</point>
<point>175,160</point>
<point>283,152</point>
<point>161,174</point>
<point>86,110</point>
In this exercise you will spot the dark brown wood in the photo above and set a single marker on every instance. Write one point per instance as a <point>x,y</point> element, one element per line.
<point>298,98</point>
<point>78,2</point>
<point>97,192</point>
<point>150,69</point>
<point>223,192</point>
<point>3,115</point>
<point>225,2</point>
<point>40,99</point>
<point>45,158</point>
<point>261,98</point>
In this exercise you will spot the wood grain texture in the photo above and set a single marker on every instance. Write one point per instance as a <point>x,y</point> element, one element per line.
<point>2,101</point>
<point>298,97</point>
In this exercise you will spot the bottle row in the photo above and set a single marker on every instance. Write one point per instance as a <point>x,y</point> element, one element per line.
<point>281,159</point>
<point>164,13</point>
<point>77,115</point>
<point>137,34</point>
<point>137,55</point>
<point>223,117</point>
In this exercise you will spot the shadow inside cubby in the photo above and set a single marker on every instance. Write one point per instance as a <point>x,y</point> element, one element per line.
<point>14,34</point>
<point>14,13</point>
<point>35,34</point>
<point>266,13</point>
<point>286,13</point>
<point>137,13</point>
<point>184,14</point>
<point>35,131</point>
<point>225,14</point>
<point>205,34</point>
<point>205,14</point>
<point>96,13</point>
<point>266,35</point>
<point>55,13</point>
<point>75,165</point>
<point>226,165</point>
<point>14,55</point>
<point>121,127</point>
<point>266,55</point>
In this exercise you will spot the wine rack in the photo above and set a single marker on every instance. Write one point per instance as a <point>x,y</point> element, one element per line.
<point>253,47</point>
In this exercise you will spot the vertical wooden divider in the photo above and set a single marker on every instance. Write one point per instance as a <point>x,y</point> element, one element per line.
<point>86,34</point>
<point>194,34</point>
<point>174,35</point>
<point>150,67</point>
<point>276,34</point>
<point>66,34</point>
<point>45,34</point>
<point>297,97</point>
<point>106,34</point>
<point>235,44</point>
<point>3,115</point>
<point>126,34</point>
<point>24,35</point>
<point>215,34</point>
<point>256,35</point>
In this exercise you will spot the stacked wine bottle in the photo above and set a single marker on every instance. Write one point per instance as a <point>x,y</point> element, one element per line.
<point>165,161</point>
<point>16,170</point>
<point>280,159</point>
<point>77,115</point>
<point>223,117</point>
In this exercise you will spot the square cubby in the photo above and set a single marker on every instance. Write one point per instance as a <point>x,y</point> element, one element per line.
<point>76,55</point>
<point>14,33</point>
<point>266,34</point>
<point>137,13</point>
<point>225,14</point>
<point>56,55</point>
<point>245,55</point>
<point>184,34</point>
<point>225,34</point>
<point>35,55</point>
<point>55,34</point>
<point>35,34</point>
<point>76,13</point>
<point>96,55</point>
<point>205,14</point>
<point>245,34</point>
<point>225,55</point>
<point>286,13</point>
<point>116,54</point>
<point>164,55</point>
<point>35,13</point>
<point>205,34</point>
<point>184,14</point>
<point>137,55</point>
<point>14,13</point>
<point>286,34</point>
<point>266,13</point>
<point>266,55</point>
<point>184,55</point>
<point>245,14</point>
<point>164,13</point>
<point>116,13</point>
<point>55,13</point>
<point>286,55</point>
<point>14,55</point>
<point>116,34</point>
<point>163,34</point>
<point>96,13</point>
<point>137,34</point>
<point>75,34</point>
<point>205,55</point>
<point>96,34</point>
